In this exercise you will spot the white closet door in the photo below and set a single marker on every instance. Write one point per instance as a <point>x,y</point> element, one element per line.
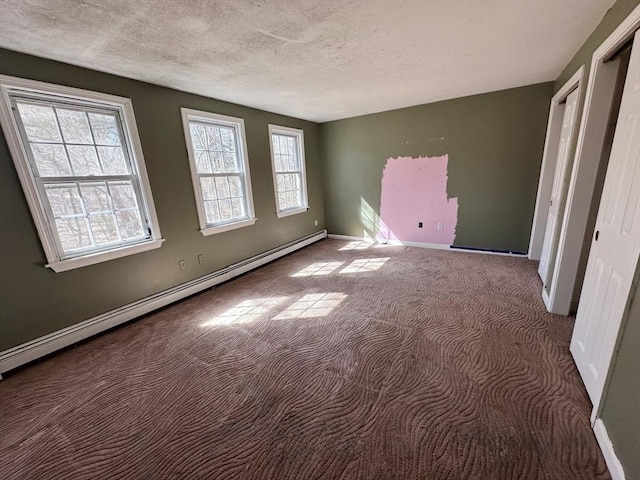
<point>616,244</point>
<point>558,191</point>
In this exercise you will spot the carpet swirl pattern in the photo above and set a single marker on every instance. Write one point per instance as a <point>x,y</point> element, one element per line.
<point>340,361</point>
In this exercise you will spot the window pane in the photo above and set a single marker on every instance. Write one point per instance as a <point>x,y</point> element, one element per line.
<point>283,167</point>
<point>104,229</point>
<point>297,198</point>
<point>64,200</point>
<point>237,207</point>
<point>225,210</point>
<point>291,199</point>
<point>235,187</point>
<point>217,162</point>
<point>113,161</point>
<point>105,129</point>
<point>73,233</point>
<point>214,143</point>
<point>282,201</point>
<point>74,125</point>
<point>212,213</point>
<point>278,161</point>
<point>51,159</point>
<point>228,139</point>
<point>123,195</point>
<point>222,187</point>
<point>84,160</point>
<point>198,136</point>
<point>130,224</point>
<point>96,198</point>
<point>275,139</point>
<point>230,163</point>
<point>39,123</point>
<point>202,162</point>
<point>280,182</point>
<point>208,187</point>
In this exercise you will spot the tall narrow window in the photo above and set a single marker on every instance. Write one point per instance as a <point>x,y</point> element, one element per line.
<point>287,161</point>
<point>219,169</point>
<point>80,163</point>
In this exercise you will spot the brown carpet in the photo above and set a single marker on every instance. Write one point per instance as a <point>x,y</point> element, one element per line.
<point>428,365</point>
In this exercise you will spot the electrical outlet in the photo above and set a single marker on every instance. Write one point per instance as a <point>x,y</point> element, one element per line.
<point>439,226</point>
<point>201,259</point>
<point>419,224</point>
<point>315,223</point>
<point>182,265</point>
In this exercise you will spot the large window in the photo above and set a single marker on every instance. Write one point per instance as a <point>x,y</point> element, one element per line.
<point>220,170</point>
<point>289,179</point>
<point>80,164</point>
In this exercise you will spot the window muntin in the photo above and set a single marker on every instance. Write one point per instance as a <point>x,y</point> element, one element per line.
<point>83,171</point>
<point>219,165</point>
<point>287,158</point>
<point>80,164</point>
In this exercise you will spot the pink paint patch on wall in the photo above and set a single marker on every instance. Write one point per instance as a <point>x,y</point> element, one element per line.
<point>414,192</point>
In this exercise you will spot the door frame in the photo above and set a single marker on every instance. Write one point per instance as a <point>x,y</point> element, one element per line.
<point>591,137</point>
<point>549,157</point>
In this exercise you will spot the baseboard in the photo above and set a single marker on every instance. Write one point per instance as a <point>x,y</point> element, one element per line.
<point>435,246</point>
<point>27,352</point>
<point>613,464</point>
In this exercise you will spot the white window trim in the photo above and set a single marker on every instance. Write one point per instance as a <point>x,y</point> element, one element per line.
<point>55,261</point>
<point>277,129</point>
<point>238,123</point>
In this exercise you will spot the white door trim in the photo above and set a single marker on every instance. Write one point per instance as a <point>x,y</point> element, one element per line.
<point>591,135</point>
<point>549,156</point>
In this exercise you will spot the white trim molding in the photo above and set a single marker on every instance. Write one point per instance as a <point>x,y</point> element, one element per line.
<point>225,227</point>
<point>57,259</point>
<point>190,116</point>
<point>591,136</point>
<point>299,136</point>
<point>294,211</point>
<point>608,452</point>
<point>434,246</point>
<point>27,352</point>
<point>92,259</point>
<point>549,156</point>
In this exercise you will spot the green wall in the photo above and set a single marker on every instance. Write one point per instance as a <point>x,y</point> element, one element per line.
<point>614,16</point>
<point>619,410</point>
<point>494,142</point>
<point>35,301</point>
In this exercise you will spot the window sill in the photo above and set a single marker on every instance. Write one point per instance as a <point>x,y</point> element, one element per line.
<point>92,259</point>
<point>227,226</point>
<point>293,211</point>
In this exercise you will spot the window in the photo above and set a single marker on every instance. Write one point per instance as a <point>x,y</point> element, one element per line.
<point>217,150</point>
<point>289,179</point>
<point>80,163</point>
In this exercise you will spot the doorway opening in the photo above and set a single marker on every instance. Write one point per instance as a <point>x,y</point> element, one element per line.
<point>607,72</point>
<point>621,61</point>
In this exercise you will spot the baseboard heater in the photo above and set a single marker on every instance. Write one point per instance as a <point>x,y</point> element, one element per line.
<point>434,246</point>
<point>34,349</point>
<point>488,250</point>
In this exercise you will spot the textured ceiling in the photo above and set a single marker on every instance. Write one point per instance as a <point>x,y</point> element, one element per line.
<point>314,59</point>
